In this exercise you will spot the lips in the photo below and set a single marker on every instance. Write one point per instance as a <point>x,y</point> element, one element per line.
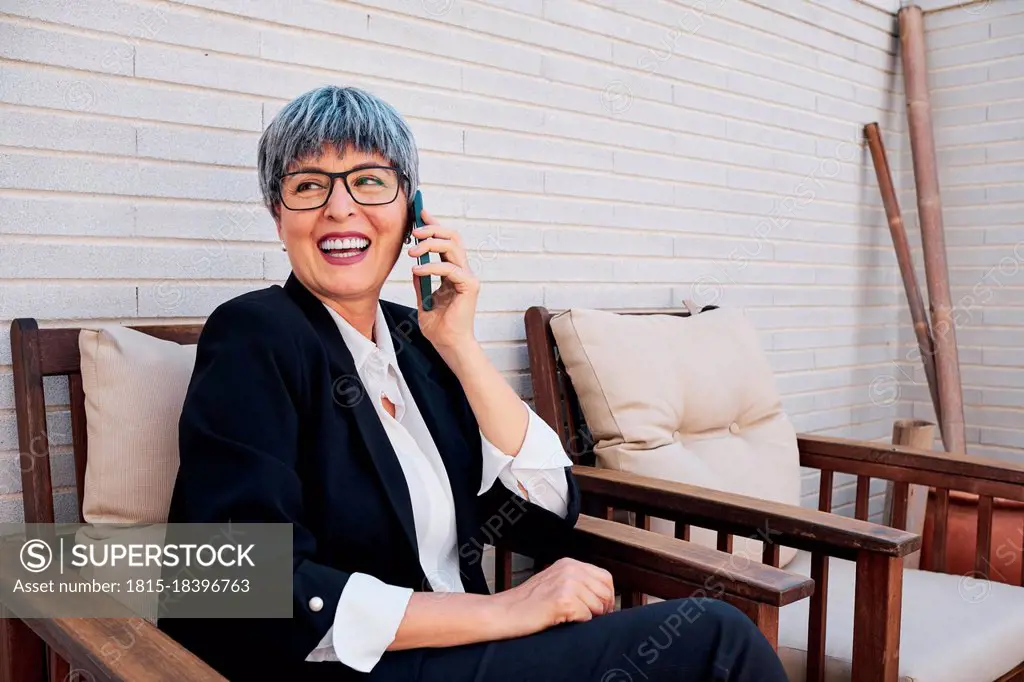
<point>344,248</point>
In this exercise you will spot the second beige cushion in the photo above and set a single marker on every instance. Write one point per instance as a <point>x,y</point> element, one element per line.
<point>691,400</point>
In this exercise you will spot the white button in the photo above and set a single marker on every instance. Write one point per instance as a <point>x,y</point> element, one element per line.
<point>734,428</point>
<point>316,603</point>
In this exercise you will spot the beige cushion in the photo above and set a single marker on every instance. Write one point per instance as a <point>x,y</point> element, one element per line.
<point>134,390</point>
<point>143,603</point>
<point>685,399</point>
<point>953,628</point>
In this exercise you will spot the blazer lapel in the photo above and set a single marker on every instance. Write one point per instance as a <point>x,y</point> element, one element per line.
<point>435,404</point>
<point>344,379</point>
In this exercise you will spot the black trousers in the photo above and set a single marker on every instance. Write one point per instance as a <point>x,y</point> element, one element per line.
<point>684,640</point>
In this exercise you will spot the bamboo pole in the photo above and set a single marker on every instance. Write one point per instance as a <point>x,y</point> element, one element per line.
<point>929,208</point>
<point>906,262</point>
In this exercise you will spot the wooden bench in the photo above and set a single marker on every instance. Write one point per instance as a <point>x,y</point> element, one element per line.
<point>877,550</point>
<point>49,649</point>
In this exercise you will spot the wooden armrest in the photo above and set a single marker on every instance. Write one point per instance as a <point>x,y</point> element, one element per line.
<point>127,648</point>
<point>121,650</point>
<point>785,524</point>
<point>651,562</point>
<point>981,475</point>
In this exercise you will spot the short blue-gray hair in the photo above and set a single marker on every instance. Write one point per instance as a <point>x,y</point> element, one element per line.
<point>337,117</point>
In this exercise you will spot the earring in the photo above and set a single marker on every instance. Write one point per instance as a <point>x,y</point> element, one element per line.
<point>283,247</point>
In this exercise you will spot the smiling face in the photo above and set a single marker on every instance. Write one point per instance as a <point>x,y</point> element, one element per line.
<point>344,250</point>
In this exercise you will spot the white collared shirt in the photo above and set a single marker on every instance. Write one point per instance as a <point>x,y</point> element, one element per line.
<point>369,610</point>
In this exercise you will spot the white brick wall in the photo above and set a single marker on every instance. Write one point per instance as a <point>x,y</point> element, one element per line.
<point>605,153</point>
<point>976,68</point>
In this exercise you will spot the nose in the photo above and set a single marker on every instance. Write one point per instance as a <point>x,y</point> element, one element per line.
<point>340,202</point>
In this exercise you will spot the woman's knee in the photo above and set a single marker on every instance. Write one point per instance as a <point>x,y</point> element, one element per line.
<point>725,615</point>
<point>705,636</point>
<point>707,620</point>
<point>720,625</point>
<point>743,651</point>
<point>714,613</point>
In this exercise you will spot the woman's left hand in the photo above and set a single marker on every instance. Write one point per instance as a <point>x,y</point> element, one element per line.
<point>449,323</point>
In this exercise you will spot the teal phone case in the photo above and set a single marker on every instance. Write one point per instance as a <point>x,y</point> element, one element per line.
<point>424,280</point>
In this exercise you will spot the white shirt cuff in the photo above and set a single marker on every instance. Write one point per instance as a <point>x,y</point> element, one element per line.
<point>365,623</point>
<point>539,467</point>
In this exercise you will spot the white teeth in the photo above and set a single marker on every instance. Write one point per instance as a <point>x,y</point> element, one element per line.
<point>346,244</point>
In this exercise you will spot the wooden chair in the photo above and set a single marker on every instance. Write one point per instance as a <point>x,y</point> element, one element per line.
<point>133,649</point>
<point>877,550</point>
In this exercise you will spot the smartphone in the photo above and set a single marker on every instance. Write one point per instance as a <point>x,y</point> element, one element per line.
<point>424,280</point>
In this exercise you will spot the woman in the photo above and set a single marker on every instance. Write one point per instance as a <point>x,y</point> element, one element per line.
<point>389,441</point>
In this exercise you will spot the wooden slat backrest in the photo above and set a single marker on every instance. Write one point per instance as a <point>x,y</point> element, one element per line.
<point>554,398</point>
<point>39,353</point>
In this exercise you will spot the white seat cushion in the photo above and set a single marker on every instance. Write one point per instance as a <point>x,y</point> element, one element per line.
<point>954,628</point>
<point>687,399</point>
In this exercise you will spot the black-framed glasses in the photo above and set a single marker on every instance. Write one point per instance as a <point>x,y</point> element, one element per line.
<point>367,185</point>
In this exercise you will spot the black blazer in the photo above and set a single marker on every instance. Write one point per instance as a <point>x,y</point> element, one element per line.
<point>273,429</point>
